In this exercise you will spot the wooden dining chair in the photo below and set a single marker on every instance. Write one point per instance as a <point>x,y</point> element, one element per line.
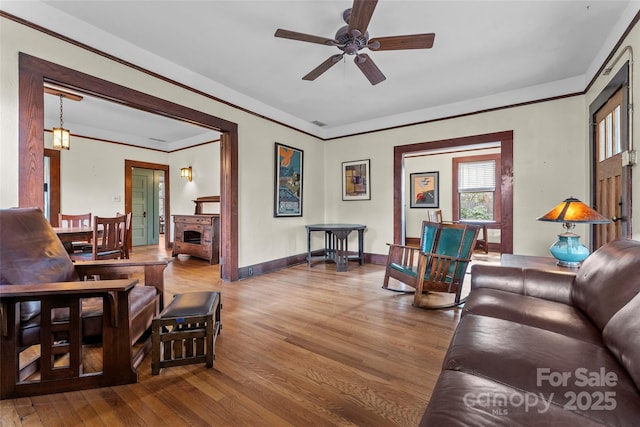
<point>127,234</point>
<point>72,221</point>
<point>108,239</point>
<point>435,216</point>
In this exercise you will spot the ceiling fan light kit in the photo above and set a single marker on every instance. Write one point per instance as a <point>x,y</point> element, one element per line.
<point>353,37</point>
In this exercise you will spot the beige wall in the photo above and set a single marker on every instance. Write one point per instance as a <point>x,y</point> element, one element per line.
<point>92,175</point>
<point>205,163</point>
<point>549,165</point>
<point>550,156</point>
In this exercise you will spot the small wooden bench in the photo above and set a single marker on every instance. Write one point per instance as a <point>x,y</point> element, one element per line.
<point>186,331</point>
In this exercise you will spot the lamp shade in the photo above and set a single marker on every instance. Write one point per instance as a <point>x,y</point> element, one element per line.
<point>186,173</point>
<point>567,249</point>
<point>573,210</point>
<point>60,138</point>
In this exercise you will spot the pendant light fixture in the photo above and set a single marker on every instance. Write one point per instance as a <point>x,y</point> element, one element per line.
<point>61,136</point>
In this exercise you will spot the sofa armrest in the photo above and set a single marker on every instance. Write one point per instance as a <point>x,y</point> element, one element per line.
<point>549,285</point>
<point>153,271</point>
<point>117,367</point>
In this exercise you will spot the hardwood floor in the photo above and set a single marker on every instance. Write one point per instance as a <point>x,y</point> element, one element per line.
<point>300,346</point>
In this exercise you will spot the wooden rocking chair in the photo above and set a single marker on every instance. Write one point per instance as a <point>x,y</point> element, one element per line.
<point>438,265</point>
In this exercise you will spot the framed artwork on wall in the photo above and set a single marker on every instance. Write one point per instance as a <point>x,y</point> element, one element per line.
<point>356,180</point>
<point>288,181</point>
<point>425,190</point>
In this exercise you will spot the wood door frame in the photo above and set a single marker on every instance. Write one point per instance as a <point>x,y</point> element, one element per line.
<point>128,196</point>
<point>34,72</point>
<point>54,185</point>
<point>506,183</point>
<point>619,81</point>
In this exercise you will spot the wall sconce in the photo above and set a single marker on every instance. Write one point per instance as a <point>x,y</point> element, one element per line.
<point>568,250</point>
<point>61,136</point>
<point>186,173</point>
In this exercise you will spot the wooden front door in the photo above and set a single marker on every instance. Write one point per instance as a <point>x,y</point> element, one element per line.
<point>612,187</point>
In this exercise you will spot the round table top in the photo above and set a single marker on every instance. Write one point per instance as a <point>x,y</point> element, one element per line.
<point>337,226</point>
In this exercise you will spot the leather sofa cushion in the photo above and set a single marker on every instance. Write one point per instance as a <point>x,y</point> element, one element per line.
<point>607,280</point>
<point>622,337</point>
<point>548,285</point>
<point>463,399</point>
<point>512,354</point>
<point>537,312</point>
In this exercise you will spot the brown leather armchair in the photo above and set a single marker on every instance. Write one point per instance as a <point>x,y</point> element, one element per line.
<point>44,303</point>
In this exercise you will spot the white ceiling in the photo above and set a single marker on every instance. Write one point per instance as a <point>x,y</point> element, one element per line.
<point>486,54</point>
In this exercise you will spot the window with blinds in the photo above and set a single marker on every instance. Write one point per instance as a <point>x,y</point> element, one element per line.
<point>477,190</point>
<point>477,176</point>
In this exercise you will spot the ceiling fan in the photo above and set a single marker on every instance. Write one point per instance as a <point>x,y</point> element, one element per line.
<point>354,37</point>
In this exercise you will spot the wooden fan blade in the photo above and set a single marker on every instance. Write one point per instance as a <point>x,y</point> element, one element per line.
<point>316,72</point>
<point>415,41</point>
<point>369,69</point>
<point>361,13</point>
<point>286,34</point>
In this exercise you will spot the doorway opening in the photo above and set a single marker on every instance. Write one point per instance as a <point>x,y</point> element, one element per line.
<point>146,196</point>
<point>504,140</point>
<point>35,72</point>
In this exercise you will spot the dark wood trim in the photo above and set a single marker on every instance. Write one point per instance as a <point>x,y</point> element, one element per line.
<point>126,144</point>
<point>613,51</point>
<point>457,116</point>
<point>229,204</point>
<point>286,262</point>
<point>139,68</point>
<point>128,196</point>
<point>506,155</point>
<point>191,89</point>
<point>506,188</point>
<point>33,72</point>
<point>54,185</point>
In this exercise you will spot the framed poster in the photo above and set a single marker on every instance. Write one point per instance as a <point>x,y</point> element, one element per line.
<point>288,181</point>
<point>425,191</point>
<point>356,180</point>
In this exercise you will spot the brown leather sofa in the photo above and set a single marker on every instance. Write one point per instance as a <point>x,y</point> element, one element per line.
<point>31,256</point>
<point>538,348</point>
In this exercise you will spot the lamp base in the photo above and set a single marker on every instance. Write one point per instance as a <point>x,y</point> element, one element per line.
<point>568,264</point>
<point>568,250</point>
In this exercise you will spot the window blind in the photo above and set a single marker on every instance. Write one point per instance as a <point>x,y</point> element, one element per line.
<point>477,176</point>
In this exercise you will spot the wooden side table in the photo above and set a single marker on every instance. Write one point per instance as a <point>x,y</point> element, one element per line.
<point>335,244</point>
<point>537,262</point>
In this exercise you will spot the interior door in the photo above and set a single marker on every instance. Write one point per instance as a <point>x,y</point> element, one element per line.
<point>144,224</point>
<point>612,189</point>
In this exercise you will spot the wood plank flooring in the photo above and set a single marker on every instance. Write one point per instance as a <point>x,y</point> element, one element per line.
<point>299,347</point>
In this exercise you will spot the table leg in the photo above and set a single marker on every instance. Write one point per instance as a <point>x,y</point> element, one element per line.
<point>361,246</point>
<point>342,249</point>
<point>308,247</point>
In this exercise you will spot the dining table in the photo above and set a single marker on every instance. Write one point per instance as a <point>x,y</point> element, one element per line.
<point>74,234</point>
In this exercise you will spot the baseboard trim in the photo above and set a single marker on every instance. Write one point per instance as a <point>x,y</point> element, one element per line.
<point>279,264</point>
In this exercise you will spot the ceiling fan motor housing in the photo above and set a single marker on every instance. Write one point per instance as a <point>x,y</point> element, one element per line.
<point>350,44</point>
